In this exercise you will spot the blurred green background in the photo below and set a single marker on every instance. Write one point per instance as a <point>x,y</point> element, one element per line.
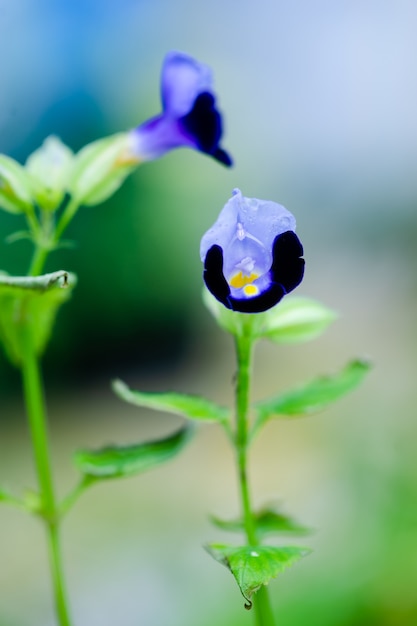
<point>320,105</point>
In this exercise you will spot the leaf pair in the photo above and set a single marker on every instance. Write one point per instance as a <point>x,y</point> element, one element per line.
<point>117,461</point>
<point>268,521</point>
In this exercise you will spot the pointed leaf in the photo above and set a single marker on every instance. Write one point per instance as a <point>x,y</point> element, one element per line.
<point>30,301</point>
<point>191,407</point>
<point>267,522</point>
<point>119,461</point>
<point>314,396</point>
<point>15,186</point>
<point>254,566</point>
<point>296,319</point>
<point>8,498</point>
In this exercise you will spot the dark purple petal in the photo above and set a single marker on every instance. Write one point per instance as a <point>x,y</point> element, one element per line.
<point>204,124</point>
<point>287,267</point>
<point>214,277</point>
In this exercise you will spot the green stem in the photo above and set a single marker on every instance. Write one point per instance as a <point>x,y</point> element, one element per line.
<point>38,260</point>
<point>244,351</point>
<point>69,501</point>
<point>48,236</point>
<point>69,212</point>
<point>244,362</point>
<point>35,405</point>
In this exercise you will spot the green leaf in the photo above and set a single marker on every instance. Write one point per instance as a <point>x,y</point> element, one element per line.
<point>268,521</point>
<point>100,168</point>
<point>191,407</point>
<point>15,186</point>
<point>30,302</point>
<point>314,396</point>
<point>254,566</point>
<point>295,319</point>
<point>50,168</point>
<point>8,498</point>
<point>119,461</point>
<point>5,496</point>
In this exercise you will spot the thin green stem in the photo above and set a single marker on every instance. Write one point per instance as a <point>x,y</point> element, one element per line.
<point>38,260</point>
<point>45,241</point>
<point>69,501</point>
<point>35,406</point>
<point>69,212</point>
<point>46,235</point>
<point>244,362</point>
<point>61,604</point>
<point>244,351</point>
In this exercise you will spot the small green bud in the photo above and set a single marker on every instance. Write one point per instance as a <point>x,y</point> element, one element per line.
<point>50,167</point>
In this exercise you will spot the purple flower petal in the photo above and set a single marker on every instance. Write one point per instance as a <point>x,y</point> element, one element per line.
<point>189,117</point>
<point>183,78</point>
<point>252,255</point>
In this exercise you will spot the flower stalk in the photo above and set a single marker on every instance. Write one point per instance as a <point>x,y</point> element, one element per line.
<point>244,344</point>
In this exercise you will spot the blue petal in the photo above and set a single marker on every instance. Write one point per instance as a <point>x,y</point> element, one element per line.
<point>183,79</point>
<point>285,274</point>
<point>251,255</point>
<point>158,136</point>
<point>260,220</point>
<point>189,118</point>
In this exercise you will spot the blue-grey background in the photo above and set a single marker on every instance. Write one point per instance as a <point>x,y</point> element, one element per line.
<point>320,103</point>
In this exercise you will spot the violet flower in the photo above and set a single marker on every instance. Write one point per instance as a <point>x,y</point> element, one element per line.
<point>251,254</point>
<point>189,117</point>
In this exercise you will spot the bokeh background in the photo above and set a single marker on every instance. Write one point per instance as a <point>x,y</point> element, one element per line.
<point>320,103</point>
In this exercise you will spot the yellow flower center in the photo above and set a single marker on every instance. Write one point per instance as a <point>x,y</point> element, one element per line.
<point>239,280</point>
<point>250,290</point>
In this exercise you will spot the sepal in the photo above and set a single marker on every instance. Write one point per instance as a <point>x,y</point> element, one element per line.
<point>231,321</point>
<point>100,168</point>
<point>295,319</point>
<point>15,186</point>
